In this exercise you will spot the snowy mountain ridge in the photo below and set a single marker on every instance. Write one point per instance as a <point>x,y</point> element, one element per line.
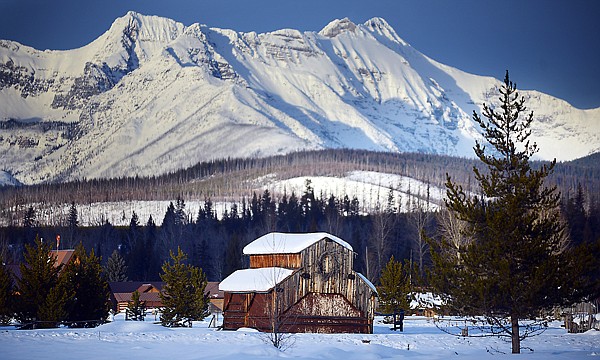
<point>151,96</point>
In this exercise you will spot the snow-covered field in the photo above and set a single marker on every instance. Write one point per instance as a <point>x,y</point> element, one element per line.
<point>145,340</point>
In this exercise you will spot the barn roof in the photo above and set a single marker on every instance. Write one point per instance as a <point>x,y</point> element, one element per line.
<point>254,280</point>
<point>288,243</point>
<point>369,283</point>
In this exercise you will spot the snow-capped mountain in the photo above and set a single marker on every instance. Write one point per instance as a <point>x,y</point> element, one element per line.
<point>152,95</point>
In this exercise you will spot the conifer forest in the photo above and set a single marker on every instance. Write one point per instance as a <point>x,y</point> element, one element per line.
<point>214,242</point>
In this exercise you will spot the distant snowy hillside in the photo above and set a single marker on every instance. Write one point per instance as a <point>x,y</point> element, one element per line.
<point>370,188</point>
<point>152,95</point>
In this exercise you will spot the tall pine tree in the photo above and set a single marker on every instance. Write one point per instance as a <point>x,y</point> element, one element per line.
<point>6,295</point>
<point>83,278</point>
<point>39,276</point>
<point>395,289</point>
<point>516,262</point>
<point>73,224</point>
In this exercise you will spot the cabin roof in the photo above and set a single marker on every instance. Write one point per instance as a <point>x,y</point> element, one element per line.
<point>288,243</point>
<point>62,256</point>
<point>254,280</point>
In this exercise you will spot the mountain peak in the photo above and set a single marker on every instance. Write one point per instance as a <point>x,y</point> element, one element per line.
<point>380,26</point>
<point>151,96</point>
<point>337,27</point>
<point>149,27</point>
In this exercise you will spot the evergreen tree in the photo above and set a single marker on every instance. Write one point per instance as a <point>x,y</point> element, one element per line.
<point>6,295</point>
<point>183,295</point>
<point>29,219</point>
<point>233,255</point>
<point>168,227</point>
<point>116,270</point>
<point>151,263</point>
<point>136,248</point>
<point>576,216</point>
<point>136,309</point>
<point>395,289</point>
<point>52,311</point>
<point>39,276</point>
<point>73,224</point>
<point>29,225</point>
<point>83,278</point>
<point>180,215</point>
<point>516,263</point>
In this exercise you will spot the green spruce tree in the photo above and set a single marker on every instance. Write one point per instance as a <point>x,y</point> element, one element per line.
<point>73,222</point>
<point>183,295</point>
<point>83,278</point>
<point>6,295</point>
<point>516,262</point>
<point>52,311</point>
<point>395,289</point>
<point>39,276</point>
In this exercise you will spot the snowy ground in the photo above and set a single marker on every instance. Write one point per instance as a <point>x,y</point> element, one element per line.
<point>146,340</point>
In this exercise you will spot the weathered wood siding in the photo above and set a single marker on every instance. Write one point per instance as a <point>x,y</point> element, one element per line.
<point>252,310</point>
<point>288,261</point>
<point>353,289</point>
<point>327,269</point>
<point>315,313</point>
<point>324,313</point>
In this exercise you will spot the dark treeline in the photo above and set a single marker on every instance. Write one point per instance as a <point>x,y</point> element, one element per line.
<point>215,243</point>
<point>229,178</point>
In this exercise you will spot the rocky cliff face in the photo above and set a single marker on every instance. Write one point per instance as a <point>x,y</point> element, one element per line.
<point>151,95</point>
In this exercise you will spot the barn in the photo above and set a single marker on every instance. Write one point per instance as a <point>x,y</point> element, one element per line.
<point>299,283</point>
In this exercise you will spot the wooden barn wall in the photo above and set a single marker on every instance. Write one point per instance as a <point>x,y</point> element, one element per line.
<point>316,313</point>
<point>289,261</point>
<point>338,279</point>
<point>322,305</point>
<point>235,310</point>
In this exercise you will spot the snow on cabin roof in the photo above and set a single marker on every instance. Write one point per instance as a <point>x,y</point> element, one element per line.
<point>426,300</point>
<point>254,280</point>
<point>287,243</point>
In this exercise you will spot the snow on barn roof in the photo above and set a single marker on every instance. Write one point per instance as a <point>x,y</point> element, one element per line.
<point>369,284</point>
<point>287,243</point>
<point>254,280</point>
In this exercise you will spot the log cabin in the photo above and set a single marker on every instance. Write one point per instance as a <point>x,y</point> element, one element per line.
<point>122,292</point>
<point>299,283</point>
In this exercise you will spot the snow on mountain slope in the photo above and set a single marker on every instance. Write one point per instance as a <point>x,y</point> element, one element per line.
<point>6,179</point>
<point>152,95</point>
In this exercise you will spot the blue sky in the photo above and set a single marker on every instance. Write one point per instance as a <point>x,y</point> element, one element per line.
<point>548,45</point>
